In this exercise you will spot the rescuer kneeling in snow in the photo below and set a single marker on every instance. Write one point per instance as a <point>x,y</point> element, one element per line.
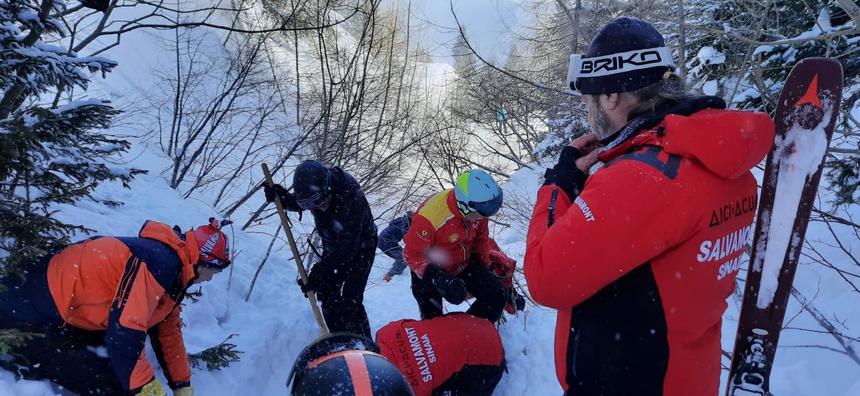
<point>448,248</point>
<point>456,354</point>
<point>96,301</point>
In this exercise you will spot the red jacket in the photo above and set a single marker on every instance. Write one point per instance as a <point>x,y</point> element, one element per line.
<point>440,234</point>
<point>130,287</point>
<point>639,264</point>
<point>428,352</point>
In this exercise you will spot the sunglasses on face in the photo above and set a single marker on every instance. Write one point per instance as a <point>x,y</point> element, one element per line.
<point>216,264</point>
<point>311,202</point>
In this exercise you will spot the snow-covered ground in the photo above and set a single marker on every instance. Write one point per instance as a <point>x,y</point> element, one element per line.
<point>276,323</point>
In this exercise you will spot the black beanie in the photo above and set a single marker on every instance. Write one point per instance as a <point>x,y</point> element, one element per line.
<point>311,178</point>
<point>626,55</point>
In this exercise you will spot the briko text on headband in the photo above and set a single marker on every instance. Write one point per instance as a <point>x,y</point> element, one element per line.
<point>620,62</point>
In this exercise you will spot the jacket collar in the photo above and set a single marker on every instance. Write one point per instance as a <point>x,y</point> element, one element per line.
<point>640,129</point>
<point>185,245</point>
<point>452,205</point>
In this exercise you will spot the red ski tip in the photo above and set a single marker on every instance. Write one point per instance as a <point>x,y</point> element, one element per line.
<point>811,95</point>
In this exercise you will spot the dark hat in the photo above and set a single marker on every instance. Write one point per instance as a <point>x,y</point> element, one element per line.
<point>311,183</point>
<point>626,55</point>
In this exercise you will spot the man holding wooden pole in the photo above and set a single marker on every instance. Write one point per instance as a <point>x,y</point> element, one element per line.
<point>345,224</point>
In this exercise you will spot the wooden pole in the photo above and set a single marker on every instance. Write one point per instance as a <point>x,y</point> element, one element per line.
<point>285,221</point>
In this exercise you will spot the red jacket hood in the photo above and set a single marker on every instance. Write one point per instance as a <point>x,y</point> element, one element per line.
<point>726,142</point>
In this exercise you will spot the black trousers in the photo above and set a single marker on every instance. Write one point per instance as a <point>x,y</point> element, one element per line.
<point>488,291</point>
<point>472,381</point>
<point>343,300</point>
<point>70,357</point>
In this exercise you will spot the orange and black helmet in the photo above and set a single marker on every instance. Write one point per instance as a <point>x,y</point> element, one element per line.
<point>346,364</point>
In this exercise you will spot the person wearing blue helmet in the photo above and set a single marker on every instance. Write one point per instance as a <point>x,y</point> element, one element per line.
<point>345,224</point>
<point>448,248</point>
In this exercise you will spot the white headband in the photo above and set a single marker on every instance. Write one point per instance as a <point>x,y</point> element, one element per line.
<point>620,62</point>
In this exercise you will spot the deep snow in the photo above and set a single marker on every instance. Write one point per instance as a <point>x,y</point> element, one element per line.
<point>277,323</point>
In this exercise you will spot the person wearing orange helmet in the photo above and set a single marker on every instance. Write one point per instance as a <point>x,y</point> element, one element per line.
<point>97,301</point>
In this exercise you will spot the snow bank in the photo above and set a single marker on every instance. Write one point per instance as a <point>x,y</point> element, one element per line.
<point>277,323</point>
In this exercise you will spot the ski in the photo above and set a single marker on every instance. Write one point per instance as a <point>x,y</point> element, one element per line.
<point>805,117</point>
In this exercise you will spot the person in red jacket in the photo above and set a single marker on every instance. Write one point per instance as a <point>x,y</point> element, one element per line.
<point>97,301</point>
<point>639,257</point>
<point>458,353</point>
<point>448,247</point>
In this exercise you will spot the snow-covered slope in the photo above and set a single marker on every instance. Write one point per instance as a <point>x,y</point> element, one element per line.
<point>276,323</point>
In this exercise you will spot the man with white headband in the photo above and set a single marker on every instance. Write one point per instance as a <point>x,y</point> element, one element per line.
<point>639,257</point>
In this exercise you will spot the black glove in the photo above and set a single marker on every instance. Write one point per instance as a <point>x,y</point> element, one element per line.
<point>313,285</point>
<point>452,288</point>
<point>565,174</point>
<point>518,301</point>
<point>288,201</point>
<point>274,191</point>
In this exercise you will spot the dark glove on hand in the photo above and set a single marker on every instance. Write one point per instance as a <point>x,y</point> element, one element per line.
<point>452,288</point>
<point>519,301</point>
<point>274,191</point>
<point>565,174</point>
<point>313,284</point>
<point>288,200</point>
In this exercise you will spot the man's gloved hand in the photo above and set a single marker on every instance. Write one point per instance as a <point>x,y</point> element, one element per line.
<point>503,267</point>
<point>314,283</point>
<point>152,388</point>
<point>452,288</point>
<point>573,165</point>
<point>387,277</point>
<point>184,391</point>
<point>288,200</point>
<point>274,191</point>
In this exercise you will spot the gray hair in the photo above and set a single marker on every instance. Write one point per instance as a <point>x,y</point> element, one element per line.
<point>670,89</point>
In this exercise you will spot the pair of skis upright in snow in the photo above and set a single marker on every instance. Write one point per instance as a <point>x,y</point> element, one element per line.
<point>805,117</point>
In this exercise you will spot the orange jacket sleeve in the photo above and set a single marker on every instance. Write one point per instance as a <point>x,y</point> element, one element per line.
<point>169,347</point>
<point>603,234</point>
<point>129,319</point>
<point>418,240</point>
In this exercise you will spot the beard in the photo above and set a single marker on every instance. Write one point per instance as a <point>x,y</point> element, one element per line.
<point>602,126</point>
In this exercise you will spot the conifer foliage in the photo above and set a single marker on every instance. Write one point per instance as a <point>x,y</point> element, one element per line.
<point>216,357</point>
<point>50,153</point>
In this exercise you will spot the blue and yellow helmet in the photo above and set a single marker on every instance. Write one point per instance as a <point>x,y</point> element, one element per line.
<point>477,191</point>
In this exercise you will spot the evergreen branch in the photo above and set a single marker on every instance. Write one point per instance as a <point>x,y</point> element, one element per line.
<point>14,338</point>
<point>216,357</point>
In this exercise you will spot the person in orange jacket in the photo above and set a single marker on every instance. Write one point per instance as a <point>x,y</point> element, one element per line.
<point>97,301</point>
<point>448,248</point>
